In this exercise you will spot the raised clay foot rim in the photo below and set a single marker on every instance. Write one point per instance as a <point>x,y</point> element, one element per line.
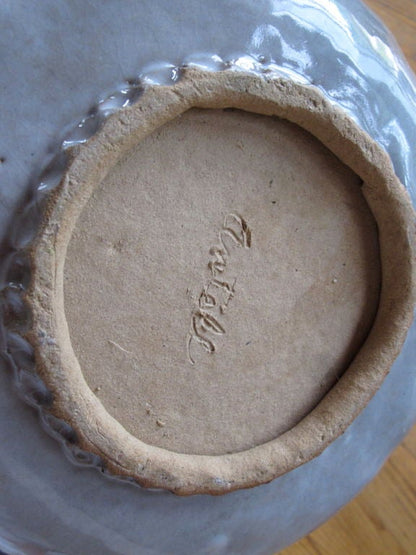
<point>96,431</point>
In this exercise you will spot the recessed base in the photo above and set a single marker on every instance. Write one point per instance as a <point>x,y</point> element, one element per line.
<point>200,336</point>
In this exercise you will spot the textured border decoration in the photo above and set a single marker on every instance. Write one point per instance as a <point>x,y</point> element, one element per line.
<point>45,368</point>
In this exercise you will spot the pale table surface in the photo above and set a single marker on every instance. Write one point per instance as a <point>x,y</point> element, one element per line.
<point>382,519</point>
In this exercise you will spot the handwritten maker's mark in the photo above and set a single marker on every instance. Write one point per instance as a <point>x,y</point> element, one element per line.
<point>218,292</point>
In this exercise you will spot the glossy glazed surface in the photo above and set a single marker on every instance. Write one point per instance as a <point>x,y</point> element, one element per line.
<point>350,58</point>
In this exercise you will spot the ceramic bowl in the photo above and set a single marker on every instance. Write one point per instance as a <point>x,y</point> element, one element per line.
<point>86,66</point>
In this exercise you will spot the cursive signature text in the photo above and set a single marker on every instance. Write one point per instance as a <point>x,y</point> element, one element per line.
<point>219,290</point>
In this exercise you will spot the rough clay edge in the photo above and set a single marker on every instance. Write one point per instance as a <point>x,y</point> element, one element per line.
<point>74,402</point>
